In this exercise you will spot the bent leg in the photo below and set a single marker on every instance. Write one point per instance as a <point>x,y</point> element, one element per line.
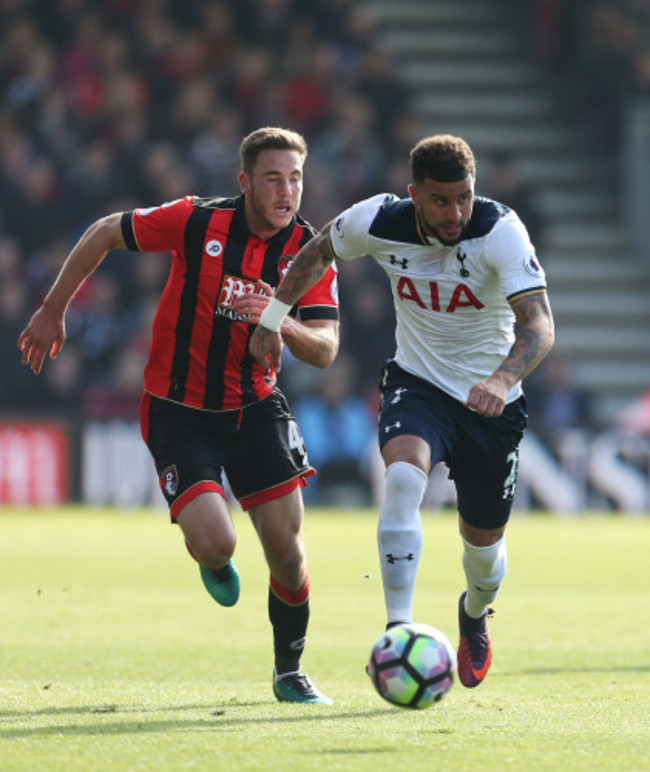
<point>208,529</point>
<point>210,538</point>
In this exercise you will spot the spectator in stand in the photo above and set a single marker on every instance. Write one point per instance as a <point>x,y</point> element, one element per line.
<point>212,152</point>
<point>307,97</point>
<point>379,85</point>
<point>349,151</point>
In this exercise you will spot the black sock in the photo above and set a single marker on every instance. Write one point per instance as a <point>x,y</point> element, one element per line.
<point>289,622</point>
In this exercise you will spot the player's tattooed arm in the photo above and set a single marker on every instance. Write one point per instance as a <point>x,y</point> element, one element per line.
<point>534,339</point>
<point>309,265</point>
<point>535,335</point>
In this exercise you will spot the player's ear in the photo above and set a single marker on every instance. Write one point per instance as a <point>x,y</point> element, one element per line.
<point>244,183</point>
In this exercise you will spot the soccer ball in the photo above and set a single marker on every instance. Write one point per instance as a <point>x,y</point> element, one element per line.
<point>412,665</point>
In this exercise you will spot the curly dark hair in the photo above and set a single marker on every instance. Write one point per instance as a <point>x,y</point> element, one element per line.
<point>442,157</point>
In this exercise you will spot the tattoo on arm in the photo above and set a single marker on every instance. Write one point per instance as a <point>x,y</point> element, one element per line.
<point>309,265</point>
<point>534,337</point>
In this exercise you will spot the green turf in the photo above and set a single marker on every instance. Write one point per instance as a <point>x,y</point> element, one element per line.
<point>113,656</point>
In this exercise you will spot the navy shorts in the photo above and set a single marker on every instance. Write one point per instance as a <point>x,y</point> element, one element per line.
<point>260,448</point>
<point>482,453</point>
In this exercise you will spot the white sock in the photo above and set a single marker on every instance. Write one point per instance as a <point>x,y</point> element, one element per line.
<point>485,569</point>
<point>399,537</point>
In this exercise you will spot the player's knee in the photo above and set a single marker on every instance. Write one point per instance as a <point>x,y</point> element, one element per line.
<point>287,562</point>
<point>405,487</point>
<point>212,550</point>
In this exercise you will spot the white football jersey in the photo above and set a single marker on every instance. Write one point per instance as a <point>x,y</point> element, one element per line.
<point>455,325</point>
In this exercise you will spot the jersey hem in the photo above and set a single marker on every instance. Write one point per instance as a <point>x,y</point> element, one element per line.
<point>190,494</point>
<point>277,491</point>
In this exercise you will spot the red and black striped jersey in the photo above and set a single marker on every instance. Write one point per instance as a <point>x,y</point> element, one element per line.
<point>199,350</point>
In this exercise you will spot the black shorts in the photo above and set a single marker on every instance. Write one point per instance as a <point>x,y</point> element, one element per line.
<point>260,448</point>
<point>482,453</point>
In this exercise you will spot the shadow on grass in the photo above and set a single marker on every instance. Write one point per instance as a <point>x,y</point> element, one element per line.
<point>217,719</point>
<point>575,670</point>
<point>81,710</point>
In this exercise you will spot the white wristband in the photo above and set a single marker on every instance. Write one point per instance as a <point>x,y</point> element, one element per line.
<point>274,314</point>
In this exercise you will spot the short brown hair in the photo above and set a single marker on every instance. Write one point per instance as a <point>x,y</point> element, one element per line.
<point>269,138</point>
<point>442,157</point>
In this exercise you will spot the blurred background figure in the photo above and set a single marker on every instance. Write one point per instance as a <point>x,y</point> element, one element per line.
<point>555,403</point>
<point>338,427</point>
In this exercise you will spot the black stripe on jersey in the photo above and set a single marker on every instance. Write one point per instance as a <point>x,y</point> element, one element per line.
<point>194,237</point>
<point>273,255</point>
<point>484,217</point>
<point>126,224</point>
<point>217,355</point>
<point>276,247</point>
<point>319,312</point>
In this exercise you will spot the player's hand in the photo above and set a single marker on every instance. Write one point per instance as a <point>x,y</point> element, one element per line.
<point>487,398</point>
<point>266,346</point>
<point>249,306</point>
<point>44,333</point>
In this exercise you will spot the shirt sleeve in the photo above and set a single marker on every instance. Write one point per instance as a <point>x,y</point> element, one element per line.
<point>349,234</point>
<point>512,255</point>
<point>157,228</point>
<point>322,300</point>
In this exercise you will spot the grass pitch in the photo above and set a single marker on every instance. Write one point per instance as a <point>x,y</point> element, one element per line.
<point>113,657</point>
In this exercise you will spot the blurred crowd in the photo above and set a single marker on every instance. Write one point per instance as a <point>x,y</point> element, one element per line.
<point>601,48</point>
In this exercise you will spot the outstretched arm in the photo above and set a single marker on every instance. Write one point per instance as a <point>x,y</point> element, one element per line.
<point>309,265</point>
<point>534,340</point>
<point>45,331</point>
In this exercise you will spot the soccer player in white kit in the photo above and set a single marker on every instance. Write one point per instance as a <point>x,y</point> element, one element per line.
<point>462,271</point>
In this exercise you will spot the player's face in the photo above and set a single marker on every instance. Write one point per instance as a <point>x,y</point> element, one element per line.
<point>444,208</point>
<point>273,191</point>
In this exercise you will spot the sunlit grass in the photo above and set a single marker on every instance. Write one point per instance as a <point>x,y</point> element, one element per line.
<point>113,657</point>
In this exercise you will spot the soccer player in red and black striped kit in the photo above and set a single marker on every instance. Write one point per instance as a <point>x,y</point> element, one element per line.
<point>208,406</point>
